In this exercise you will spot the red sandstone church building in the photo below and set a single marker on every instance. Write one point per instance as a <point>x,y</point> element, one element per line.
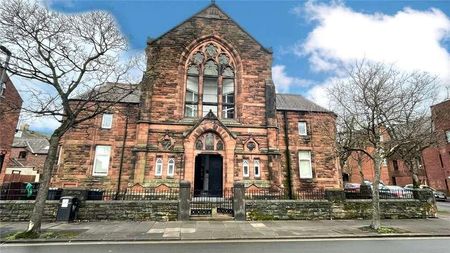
<point>206,112</point>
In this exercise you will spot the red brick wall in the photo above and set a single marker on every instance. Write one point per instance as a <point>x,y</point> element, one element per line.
<point>439,173</point>
<point>31,160</point>
<point>10,104</point>
<point>367,168</point>
<point>320,141</point>
<point>78,151</point>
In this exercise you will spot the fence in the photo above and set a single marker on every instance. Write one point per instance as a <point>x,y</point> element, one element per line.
<point>268,194</point>
<point>18,191</point>
<point>129,194</point>
<point>384,194</point>
<point>203,204</point>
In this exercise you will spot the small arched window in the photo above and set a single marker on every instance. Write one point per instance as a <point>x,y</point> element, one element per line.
<point>210,82</point>
<point>158,167</point>
<point>245,168</point>
<point>171,167</point>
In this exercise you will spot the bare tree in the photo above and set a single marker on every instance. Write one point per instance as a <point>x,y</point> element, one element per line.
<point>377,97</point>
<point>66,57</point>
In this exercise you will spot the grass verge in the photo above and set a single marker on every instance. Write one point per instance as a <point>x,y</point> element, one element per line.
<point>384,230</point>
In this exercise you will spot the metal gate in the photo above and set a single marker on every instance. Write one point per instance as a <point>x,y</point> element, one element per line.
<point>205,205</point>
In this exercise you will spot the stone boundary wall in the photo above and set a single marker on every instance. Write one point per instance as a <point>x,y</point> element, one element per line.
<point>20,210</point>
<point>157,210</point>
<point>348,209</point>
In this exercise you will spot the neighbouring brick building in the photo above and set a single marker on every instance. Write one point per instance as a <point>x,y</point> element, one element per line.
<point>28,153</point>
<point>206,112</point>
<point>436,159</point>
<point>434,165</point>
<point>10,105</point>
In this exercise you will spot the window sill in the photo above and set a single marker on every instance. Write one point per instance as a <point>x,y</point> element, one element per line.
<point>99,175</point>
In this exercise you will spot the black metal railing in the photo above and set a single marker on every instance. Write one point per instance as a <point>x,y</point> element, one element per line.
<point>310,194</point>
<point>18,191</point>
<point>384,194</point>
<point>130,194</point>
<point>270,194</point>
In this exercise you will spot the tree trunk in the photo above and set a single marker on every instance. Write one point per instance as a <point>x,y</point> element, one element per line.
<point>376,223</point>
<point>412,166</point>
<point>360,167</point>
<point>415,173</point>
<point>38,210</point>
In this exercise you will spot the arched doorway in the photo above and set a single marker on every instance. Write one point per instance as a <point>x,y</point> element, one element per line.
<point>208,179</point>
<point>208,175</point>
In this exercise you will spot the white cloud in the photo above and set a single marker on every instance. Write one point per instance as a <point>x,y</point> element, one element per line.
<point>410,39</point>
<point>285,83</point>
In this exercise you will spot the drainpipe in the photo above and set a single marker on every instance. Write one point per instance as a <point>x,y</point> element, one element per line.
<point>288,155</point>
<point>122,152</point>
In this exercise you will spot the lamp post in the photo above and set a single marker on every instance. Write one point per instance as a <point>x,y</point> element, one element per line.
<point>3,73</point>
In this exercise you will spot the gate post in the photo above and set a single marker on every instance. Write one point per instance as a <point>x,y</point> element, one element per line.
<point>183,202</point>
<point>239,201</point>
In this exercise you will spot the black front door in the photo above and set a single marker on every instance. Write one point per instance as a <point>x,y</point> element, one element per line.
<point>208,175</point>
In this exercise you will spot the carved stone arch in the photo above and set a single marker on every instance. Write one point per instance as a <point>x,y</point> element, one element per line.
<point>232,70</point>
<point>214,38</point>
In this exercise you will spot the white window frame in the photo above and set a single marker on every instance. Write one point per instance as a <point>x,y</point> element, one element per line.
<point>245,168</point>
<point>158,166</point>
<point>95,172</point>
<point>305,174</point>
<point>257,168</point>
<point>171,167</point>
<point>305,128</point>
<point>60,149</point>
<point>105,124</point>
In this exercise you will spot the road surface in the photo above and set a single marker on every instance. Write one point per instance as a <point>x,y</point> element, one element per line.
<point>368,245</point>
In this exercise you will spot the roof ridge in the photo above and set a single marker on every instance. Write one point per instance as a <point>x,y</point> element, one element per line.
<point>212,4</point>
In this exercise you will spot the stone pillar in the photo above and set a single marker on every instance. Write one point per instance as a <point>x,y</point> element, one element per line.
<point>239,201</point>
<point>429,206</point>
<point>183,204</point>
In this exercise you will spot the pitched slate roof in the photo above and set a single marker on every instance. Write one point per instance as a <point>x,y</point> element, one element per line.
<point>36,143</point>
<point>112,92</point>
<point>292,102</point>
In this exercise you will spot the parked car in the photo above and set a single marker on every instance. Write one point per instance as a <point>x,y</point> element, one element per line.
<point>438,195</point>
<point>352,186</point>
<point>398,191</point>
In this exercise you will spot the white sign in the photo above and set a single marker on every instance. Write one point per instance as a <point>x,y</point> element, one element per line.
<point>65,203</point>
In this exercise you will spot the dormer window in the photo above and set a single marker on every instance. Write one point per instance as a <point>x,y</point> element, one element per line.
<point>210,82</point>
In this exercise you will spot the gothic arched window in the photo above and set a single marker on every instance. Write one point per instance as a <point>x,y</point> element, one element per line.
<point>210,82</point>
<point>209,141</point>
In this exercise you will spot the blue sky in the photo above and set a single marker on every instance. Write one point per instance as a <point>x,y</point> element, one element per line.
<point>311,40</point>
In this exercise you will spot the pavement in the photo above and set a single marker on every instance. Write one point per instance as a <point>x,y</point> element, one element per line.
<point>236,230</point>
